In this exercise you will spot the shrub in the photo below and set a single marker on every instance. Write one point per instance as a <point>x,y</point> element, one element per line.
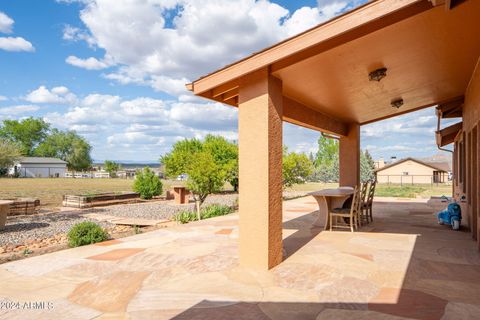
<point>147,184</point>
<point>215,210</point>
<point>86,232</point>
<point>185,217</point>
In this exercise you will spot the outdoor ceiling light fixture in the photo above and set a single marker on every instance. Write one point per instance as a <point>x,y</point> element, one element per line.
<point>378,74</point>
<point>397,103</point>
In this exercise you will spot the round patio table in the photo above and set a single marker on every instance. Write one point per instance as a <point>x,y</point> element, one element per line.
<point>327,200</point>
<point>4,211</point>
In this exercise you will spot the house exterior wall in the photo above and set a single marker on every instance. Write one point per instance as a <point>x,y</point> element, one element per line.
<point>467,156</point>
<point>408,172</point>
<point>40,170</point>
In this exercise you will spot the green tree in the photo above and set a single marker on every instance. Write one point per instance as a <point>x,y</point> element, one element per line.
<point>327,160</point>
<point>327,151</point>
<point>111,167</point>
<point>27,133</point>
<point>68,146</point>
<point>367,166</point>
<point>296,168</point>
<point>178,160</point>
<point>205,176</point>
<point>9,153</point>
<point>147,184</point>
<point>225,154</point>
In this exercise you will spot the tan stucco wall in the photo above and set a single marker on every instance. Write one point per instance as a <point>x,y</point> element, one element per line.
<point>471,185</point>
<point>417,173</point>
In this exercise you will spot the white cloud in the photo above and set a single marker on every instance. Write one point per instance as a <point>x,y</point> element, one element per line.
<point>18,110</point>
<point>3,98</point>
<point>58,95</point>
<point>15,44</point>
<point>6,23</point>
<point>89,63</point>
<point>152,48</point>
<point>74,34</point>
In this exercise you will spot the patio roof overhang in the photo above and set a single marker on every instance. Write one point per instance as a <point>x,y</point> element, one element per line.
<point>429,48</point>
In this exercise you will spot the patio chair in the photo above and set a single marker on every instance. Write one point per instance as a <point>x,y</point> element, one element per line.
<point>349,216</point>
<point>363,198</point>
<point>367,205</point>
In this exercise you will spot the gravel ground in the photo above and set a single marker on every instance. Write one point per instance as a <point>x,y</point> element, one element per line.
<point>22,228</point>
<point>162,209</point>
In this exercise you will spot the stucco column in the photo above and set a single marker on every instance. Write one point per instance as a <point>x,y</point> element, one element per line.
<point>350,157</point>
<point>260,170</point>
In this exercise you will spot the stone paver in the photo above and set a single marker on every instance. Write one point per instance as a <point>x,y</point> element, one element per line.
<point>402,266</point>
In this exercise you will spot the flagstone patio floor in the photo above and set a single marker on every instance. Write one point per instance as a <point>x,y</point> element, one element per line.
<point>401,266</point>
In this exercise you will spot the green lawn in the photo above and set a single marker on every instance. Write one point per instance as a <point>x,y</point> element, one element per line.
<point>384,190</point>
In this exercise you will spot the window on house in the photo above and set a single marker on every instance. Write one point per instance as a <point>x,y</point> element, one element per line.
<point>405,173</point>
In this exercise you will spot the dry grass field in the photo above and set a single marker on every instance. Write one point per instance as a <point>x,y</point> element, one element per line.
<point>51,191</point>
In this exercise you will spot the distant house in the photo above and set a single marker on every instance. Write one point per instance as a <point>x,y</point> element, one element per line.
<point>38,167</point>
<point>410,170</point>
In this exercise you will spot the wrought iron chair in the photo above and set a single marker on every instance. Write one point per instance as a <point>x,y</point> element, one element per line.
<point>349,216</point>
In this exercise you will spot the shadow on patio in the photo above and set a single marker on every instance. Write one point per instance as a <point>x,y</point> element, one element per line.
<point>424,271</point>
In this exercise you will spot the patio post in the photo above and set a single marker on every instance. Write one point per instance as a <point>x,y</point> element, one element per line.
<point>350,157</point>
<point>260,170</point>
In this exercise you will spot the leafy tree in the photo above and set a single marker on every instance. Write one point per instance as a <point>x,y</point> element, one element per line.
<point>225,154</point>
<point>9,153</point>
<point>205,176</point>
<point>111,167</point>
<point>296,168</point>
<point>68,146</point>
<point>147,184</point>
<point>178,160</point>
<point>327,151</point>
<point>27,133</point>
<point>327,160</point>
<point>367,166</point>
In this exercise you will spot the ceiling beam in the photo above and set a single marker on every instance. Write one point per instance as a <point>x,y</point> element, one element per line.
<point>299,114</point>
<point>451,109</point>
<point>447,135</point>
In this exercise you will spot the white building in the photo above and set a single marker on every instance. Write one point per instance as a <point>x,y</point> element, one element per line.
<point>38,167</point>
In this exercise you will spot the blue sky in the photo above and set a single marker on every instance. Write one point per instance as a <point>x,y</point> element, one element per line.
<point>115,70</point>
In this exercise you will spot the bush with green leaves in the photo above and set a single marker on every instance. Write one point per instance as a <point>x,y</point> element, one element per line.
<point>215,210</point>
<point>147,184</point>
<point>86,232</point>
<point>185,216</point>
<point>296,168</point>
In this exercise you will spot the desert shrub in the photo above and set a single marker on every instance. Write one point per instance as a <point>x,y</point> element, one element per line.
<point>185,216</point>
<point>147,184</point>
<point>215,210</point>
<point>86,232</point>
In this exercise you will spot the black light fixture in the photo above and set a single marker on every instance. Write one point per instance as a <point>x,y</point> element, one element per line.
<point>397,103</point>
<point>378,74</point>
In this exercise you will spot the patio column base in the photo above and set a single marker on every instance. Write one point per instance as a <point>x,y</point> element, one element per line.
<point>260,170</point>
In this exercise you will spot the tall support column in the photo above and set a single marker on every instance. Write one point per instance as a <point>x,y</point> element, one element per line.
<point>350,157</point>
<point>260,170</point>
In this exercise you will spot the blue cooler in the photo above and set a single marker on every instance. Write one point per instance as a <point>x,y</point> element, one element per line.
<point>452,215</point>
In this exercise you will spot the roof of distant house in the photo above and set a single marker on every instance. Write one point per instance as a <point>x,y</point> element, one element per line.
<point>42,160</point>
<point>439,166</point>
